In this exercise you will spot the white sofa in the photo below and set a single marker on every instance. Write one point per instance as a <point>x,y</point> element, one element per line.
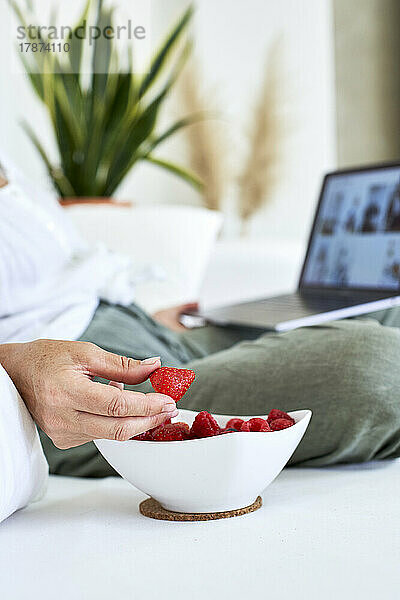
<point>321,534</point>
<point>181,240</point>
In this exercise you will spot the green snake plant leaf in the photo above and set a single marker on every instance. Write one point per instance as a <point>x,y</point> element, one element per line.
<point>184,174</point>
<point>163,54</point>
<point>31,65</point>
<point>139,130</point>
<point>102,94</point>
<point>104,124</point>
<point>180,124</point>
<point>127,155</point>
<point>35,140</point>
<point>35,78</point>
<point>62,184</point>
<point>77,42</point>
<point>102,52</point>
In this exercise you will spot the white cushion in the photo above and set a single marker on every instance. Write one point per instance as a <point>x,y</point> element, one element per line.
<point>241,269</point>
<point>23,467</point>
<point>179,239</point>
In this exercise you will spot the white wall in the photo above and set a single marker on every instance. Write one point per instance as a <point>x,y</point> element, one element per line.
<point>368,115</point>
<point>232,41</point>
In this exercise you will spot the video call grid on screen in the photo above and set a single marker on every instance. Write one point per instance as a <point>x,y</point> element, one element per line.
<point>356,235</point>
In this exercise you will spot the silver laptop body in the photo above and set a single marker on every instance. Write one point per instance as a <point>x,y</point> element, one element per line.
<point>352,263</point>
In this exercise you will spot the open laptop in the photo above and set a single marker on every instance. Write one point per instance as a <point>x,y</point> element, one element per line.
<point>352,264</point>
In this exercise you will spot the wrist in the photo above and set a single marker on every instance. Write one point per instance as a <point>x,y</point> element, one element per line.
<point>10,355</point>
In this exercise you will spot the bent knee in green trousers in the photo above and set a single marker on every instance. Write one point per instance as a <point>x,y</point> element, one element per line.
<point>345,372</point>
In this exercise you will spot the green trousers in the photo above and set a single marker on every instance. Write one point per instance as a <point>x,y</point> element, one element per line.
<point>347,372</point>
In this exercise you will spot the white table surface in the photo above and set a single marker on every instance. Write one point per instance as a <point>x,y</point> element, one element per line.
<point>321,534</point>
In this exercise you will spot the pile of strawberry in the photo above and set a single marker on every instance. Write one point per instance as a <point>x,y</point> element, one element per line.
<point>175,383</point>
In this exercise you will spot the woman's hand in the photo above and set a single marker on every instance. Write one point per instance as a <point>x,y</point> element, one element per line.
<point>170,317</point>
<point>55,380</point>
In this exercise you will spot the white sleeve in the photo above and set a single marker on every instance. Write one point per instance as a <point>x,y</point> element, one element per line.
<point>23,467</point>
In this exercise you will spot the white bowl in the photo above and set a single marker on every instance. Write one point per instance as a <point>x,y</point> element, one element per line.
<point>214,474</point>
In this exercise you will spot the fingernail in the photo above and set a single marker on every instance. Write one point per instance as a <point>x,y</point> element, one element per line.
<point>173,414</point>
<point>171,406</point>
<point>151,361</point>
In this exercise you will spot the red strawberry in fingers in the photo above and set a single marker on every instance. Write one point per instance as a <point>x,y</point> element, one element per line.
<point>172,382</point>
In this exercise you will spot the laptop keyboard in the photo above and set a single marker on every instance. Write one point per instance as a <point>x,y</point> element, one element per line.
<point>298,303</point>
<point>271,312</point>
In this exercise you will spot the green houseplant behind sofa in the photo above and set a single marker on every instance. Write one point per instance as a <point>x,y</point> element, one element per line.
<point>104,123</point>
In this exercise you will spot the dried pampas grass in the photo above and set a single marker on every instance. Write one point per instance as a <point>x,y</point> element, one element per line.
<point>204,138</point>
<point>260,171</point>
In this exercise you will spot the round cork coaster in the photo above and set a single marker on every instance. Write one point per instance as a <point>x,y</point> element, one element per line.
<point>153,509</point>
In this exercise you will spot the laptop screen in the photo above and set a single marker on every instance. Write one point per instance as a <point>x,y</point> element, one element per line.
<point>355,241</point>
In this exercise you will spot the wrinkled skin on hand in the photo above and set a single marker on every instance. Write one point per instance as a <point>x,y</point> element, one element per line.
<point>55,380</point>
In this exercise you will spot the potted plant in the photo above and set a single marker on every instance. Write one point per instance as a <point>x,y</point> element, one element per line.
<point>104,123</point>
